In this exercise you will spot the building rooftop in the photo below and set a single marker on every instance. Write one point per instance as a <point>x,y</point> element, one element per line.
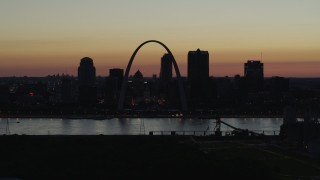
<point>253,61</point>
<point>86,61</point>
<point>198,51</point>
<point>138,74</point>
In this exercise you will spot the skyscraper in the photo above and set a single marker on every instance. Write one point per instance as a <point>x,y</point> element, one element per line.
<point>113,85</point>
<point>198,66</point>
<point>253,73</point>
<point>86,72</point>
<point>198,76</point>
<point>138,87</point>
<point>117,74</point>
<point>87,78</point>
<point>166,67</point>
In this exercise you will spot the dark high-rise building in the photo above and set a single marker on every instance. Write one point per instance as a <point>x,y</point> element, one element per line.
<point>138,87</point>
<point>165,83</point>
<point>117,74</point>
<point>253,73</point>
<point>198,66</point>
<point>113,85</point>
<point>86,72</point>
<point>198,76</point>
<point>138,84</point>
<point>166,67</point>
<point>87,78</point>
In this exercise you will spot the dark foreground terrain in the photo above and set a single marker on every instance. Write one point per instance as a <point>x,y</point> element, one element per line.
<point>150,157</point>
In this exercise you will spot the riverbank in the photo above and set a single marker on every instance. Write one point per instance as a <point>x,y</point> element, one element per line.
<point>106,117</point>
<point>150,157</point>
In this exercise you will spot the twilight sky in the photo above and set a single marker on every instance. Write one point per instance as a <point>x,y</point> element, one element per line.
<point>41,37</point>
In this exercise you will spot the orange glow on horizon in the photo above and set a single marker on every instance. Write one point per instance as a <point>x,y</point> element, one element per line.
<point>217,69</point>
<point>222,63</point>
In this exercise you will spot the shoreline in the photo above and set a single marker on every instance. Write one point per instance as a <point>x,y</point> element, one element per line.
<point>108,117</point>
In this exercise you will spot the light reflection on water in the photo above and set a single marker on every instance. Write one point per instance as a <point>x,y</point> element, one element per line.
<point>130,126</point>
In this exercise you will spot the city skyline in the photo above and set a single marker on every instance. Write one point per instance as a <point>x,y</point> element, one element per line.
<point>42,38</point>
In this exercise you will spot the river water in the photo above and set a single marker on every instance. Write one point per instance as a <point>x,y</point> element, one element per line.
<point>133,126</point>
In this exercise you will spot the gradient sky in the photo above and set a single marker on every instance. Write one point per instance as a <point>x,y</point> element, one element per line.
<point>41,37</point>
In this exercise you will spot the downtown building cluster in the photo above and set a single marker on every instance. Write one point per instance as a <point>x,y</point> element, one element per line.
<point>251,93</point>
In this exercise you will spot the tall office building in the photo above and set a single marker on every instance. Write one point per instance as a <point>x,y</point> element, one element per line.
<point>138,84</point>
<point>138,88</point>
<point>198,76</point>
<point>253,73</point>
<point>117,75</point>
<point>87,78</point>
<point>86,72</point>
<point>166,67</point>
<point>113,85</point>
<point>198,66</point>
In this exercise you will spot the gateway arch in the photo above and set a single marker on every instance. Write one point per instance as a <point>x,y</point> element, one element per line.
<point>176,68</point>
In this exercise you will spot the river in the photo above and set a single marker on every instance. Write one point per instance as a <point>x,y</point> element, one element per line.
<point>133,126</point>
